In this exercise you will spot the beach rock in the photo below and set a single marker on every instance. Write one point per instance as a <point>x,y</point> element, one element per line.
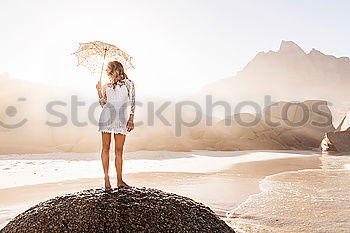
<point>301,125</point>
<point>281,126</point>
<point>119,210</point>
<point>338,141</point>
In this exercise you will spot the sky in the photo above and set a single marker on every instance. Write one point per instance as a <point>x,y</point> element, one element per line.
<point>178,46</point>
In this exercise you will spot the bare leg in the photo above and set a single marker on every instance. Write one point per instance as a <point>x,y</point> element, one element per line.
<point>106,142</point>
<point>119,144</point>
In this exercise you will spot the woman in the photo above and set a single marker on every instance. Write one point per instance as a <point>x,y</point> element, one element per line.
<point>114,98</point>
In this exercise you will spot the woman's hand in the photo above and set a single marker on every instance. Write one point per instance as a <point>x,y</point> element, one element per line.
<point>98,86</point>
<point>130,125</point>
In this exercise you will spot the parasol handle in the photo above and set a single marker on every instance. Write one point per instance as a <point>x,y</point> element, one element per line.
<point>103,63</point>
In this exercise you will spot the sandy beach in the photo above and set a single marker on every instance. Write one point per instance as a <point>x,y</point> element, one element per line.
<point>234,178</point>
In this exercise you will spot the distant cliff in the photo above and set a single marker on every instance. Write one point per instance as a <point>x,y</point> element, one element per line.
<point>288,74</point>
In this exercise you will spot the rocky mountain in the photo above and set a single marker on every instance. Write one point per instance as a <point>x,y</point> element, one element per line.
<point>289,74</point>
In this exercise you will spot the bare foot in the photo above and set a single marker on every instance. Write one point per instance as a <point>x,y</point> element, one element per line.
<point>107,183</point>
<point>122,183</point>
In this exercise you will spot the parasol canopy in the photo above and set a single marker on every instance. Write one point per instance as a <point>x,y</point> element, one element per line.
<point>94,55</point>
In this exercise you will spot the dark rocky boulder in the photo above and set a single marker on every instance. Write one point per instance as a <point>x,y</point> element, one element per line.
<point>338,141</point>
<point>118,210</point>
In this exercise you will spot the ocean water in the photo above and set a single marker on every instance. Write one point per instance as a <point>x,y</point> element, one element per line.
<point>310,200</point>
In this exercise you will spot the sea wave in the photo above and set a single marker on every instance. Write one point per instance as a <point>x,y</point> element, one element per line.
<point>308,200</point>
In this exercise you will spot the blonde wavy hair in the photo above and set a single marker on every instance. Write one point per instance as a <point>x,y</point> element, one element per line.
<point>116,73</point>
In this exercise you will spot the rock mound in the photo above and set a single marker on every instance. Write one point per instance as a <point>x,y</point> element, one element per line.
<point>338,141</point>
<point>118,210</point>
<point>281,126</point>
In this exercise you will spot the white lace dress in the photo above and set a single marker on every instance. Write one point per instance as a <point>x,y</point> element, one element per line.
<point>115,104</point>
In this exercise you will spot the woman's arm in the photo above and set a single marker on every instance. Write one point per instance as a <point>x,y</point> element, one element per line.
<point>101,93</point>
<point>130,124</point>
<point>132,98</point>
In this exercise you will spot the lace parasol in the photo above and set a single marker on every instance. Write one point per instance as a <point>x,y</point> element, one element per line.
<point>94,55</point>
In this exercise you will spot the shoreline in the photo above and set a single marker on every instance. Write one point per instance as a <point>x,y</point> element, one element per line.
<point>20,170</point>
<point>221,190</point>
<point>142,154</point>
<point>320,194</point>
